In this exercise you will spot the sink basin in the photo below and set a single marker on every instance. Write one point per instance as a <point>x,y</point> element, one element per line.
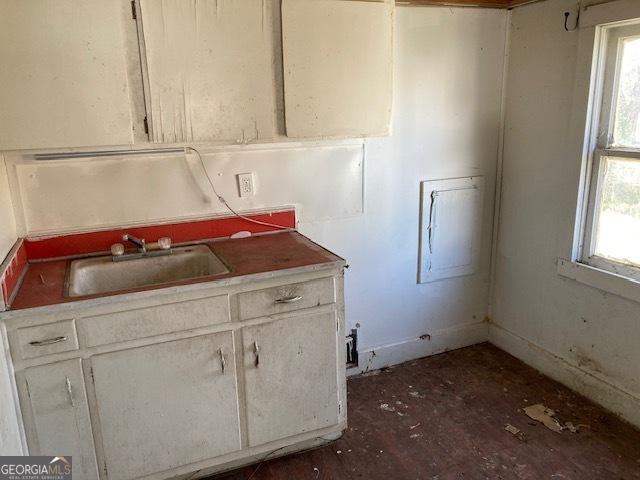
<point>90,276</point>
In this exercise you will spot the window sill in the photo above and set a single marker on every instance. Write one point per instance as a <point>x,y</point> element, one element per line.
<point>601,279</point>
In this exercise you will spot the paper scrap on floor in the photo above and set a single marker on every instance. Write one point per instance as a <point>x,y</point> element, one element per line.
<point>544,415</point>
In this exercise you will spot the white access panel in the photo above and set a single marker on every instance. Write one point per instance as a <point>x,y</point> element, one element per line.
<point>450,227</point>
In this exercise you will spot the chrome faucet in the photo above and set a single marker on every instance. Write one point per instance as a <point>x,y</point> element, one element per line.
<point>139,242</point>
<point>161,247</point>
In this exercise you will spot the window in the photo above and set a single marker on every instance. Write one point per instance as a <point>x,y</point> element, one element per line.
<point>612,228</point>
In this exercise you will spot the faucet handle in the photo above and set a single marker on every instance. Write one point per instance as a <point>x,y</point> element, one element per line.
<point>164,243</point>
<point>117,249</point>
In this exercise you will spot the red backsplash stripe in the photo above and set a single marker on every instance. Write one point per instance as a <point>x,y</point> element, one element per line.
<point>90,242</point>
<point>11,276</point>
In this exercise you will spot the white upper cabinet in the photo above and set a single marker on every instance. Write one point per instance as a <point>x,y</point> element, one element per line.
<point>209,69</point>
<point>63,74</point>
<point>338,67</point>
<point>84,73</point>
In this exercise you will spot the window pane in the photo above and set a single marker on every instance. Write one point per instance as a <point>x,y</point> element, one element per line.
<point>618,229</point>
<point>627,116</point>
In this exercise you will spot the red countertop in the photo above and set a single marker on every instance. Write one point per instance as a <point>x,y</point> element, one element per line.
<point>44,282</point>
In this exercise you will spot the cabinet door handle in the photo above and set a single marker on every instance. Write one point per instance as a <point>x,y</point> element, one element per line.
<point>256,352</point>
<point>48,341</point>
<point>223,362</point>
<point>294,299</point>
<point>67,384</point>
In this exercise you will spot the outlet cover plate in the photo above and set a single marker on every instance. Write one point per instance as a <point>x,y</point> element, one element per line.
<point>245,185</point>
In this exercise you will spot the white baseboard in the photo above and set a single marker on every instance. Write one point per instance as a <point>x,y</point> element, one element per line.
<point>436,342</point>
<point>612,397</point>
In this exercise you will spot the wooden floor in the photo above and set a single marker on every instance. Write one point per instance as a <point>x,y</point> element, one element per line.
<point>444,417</point>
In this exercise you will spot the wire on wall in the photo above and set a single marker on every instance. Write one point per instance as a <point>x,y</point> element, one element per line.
<point>224,201</point>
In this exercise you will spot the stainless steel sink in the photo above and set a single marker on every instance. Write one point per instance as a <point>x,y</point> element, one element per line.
<point>90,276</point>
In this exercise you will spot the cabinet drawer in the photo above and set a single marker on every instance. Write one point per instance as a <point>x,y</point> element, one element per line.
<point>46,339</point>
<point>286,298</point>
<point>150,321</point>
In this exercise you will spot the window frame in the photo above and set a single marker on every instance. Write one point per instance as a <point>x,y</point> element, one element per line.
<point>607,59</point>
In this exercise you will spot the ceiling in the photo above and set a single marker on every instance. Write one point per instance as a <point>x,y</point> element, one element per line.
<point>466,3</point>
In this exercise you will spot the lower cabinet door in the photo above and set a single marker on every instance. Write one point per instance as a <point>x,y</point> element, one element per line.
<point>291,376</point>
<point>166,405</point>
<point>61,424</point>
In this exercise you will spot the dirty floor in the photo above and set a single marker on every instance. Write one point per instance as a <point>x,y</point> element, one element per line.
<point>460,415</point>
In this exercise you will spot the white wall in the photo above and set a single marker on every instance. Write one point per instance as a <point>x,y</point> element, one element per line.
<point>584,337</point>
<point>7,222</point>
<point>448,76</point>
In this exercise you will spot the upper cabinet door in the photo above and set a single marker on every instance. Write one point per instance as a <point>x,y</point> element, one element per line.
<point>338,67</point>
<point>209,69</point>
<point>63,74</point>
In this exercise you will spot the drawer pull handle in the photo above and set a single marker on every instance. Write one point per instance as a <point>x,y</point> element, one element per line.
<point>295,299</point>
<point>48,341</point>
<point>256,352</point>
<point>67,383</point>
<point>223,361</point>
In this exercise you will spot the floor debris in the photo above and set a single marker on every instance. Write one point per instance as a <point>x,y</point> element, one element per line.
<point>417,395</point>
<point>387,408</point>
<point>544,415</point>
<point>547,417</point>
<point>511,429</point>
<point>571,427</point>
<point>576,428</point>
<point>516,432</point>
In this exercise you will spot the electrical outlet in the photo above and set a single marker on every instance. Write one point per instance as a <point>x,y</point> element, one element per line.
<point>245,184</point>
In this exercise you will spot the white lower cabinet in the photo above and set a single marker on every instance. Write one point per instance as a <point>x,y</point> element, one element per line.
<point>166,405</point>
<point>60,415</point>
<point>291,379</point>
<point>185,384</point>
